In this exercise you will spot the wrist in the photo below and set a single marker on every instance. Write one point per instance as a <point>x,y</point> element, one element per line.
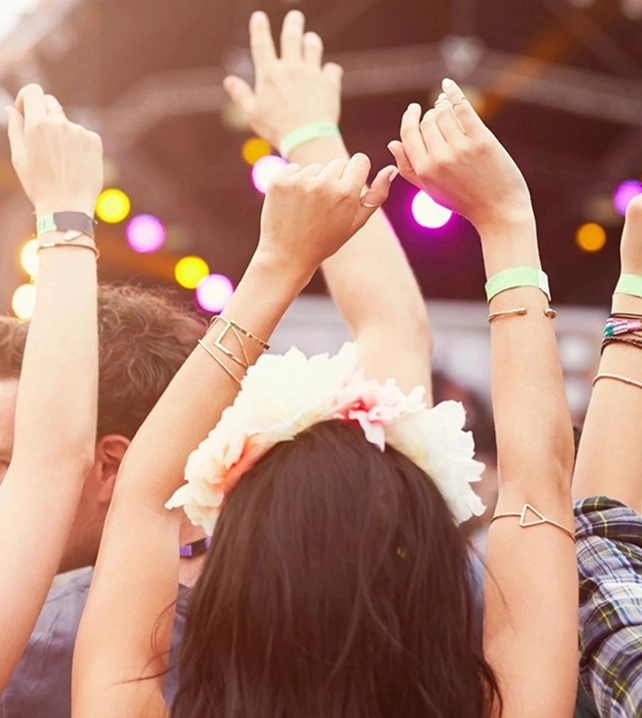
<point>66,205</point>
<point>511,242</point>
<point>277,266</point>
<point>323,149</point>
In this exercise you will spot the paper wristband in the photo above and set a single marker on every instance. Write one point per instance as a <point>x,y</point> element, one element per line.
<point>305,134</point>
<point>65,222</point>
<point>630,284</point>
<point>517,277</point>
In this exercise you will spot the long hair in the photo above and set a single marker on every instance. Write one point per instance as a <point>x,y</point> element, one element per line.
<point>337,586</point>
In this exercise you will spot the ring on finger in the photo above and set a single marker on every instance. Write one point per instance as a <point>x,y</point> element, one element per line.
<point>460,101</point>
<point>370,206</point>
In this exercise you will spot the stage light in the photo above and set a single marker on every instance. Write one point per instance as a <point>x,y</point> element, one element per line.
<point>590,237</point>
<point>146,234</point>
<point>255,149</point>
<point>624,193</point>
<point>190,271</point>
<point>113,206</point>
<point>428,213</point>
<point>264,170</point>
<point>24,301</point>
<point>214,292</point>
<point>29,258</point>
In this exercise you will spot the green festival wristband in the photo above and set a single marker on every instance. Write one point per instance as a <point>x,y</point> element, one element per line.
<point>517,277</point>
<point>630,284</point>
<point>305,134</point>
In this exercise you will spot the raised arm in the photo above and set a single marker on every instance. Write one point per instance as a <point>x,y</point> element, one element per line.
<point>531,598</point>
<point>296,90</point>
<point>60,167</point>
<point>308,215</point>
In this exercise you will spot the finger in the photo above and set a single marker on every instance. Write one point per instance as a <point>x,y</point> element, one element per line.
<point>284,175</point>
<point>54,108</point>
<point>292,36</point>
<point>261,42</point>
<point>411,136</point>
<point>333,74</point>
<point>240,92</point>
<point>313,170</point>
<point>334,171</point>
<point>15,122</point>
<point>378,192</point>
<point>356,173</point>
<point>451,128</point>
<point>433,139</point>
<point>470,120</point>
<point>31,102</point>
<point>313,49</point>
<point>403,163</point>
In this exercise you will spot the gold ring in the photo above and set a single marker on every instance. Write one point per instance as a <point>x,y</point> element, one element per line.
<point>461,101</point>
<point>370,206</point>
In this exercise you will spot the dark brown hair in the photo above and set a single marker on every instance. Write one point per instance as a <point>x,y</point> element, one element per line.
<point>337,586</point>
<point>145,337</point>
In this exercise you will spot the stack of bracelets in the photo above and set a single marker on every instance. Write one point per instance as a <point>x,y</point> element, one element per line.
<point>623,329</point>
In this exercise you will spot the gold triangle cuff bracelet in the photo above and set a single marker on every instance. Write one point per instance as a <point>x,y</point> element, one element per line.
<point>539,519</point>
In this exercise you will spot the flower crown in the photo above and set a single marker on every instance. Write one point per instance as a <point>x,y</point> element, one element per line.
<point>282,396</point>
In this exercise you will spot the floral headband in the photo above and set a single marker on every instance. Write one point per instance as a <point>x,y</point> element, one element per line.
<point>282,396</point>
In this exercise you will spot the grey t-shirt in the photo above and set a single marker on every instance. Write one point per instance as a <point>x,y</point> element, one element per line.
<point>41,684</point>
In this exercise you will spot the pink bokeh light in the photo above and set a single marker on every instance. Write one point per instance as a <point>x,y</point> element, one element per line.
<point>214,292</point>
<point>265,169</point>
<point>146,233</point>
<point>428,213</point>
<point>624,193</point>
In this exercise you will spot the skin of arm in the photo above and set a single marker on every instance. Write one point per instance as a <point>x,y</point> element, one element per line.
<point>295,90</point>
<point>610,453</point>
<point>531,603</point>
<point>137,571</point>
<point>60,167</point>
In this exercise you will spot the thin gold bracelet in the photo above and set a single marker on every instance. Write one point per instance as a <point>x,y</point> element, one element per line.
<point>617,377</point>
<point>539,521</point>
<point>51,245</point>
<point>220,362</point>
<point>519,312</point>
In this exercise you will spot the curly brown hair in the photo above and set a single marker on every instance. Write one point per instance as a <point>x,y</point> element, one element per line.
<point>145,337</point>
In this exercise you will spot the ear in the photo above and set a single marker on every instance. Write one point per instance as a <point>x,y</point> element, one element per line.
<point>110,451</point>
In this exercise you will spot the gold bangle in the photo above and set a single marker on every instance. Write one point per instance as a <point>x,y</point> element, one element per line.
<point>521,311</point>
<point>617,377</point>
<point>245,362</point>
<point>51,245</point>
<point>539,521</point>
<point>264,345</point>
<point>226,369</point>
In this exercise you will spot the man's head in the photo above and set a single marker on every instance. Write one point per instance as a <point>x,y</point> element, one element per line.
<point>144,339</point>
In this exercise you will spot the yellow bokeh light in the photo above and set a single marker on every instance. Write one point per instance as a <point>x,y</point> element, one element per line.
<point>254,149</point>
<point>113,206</point>
<point>591,237</point>
<point>24,301</point>
<point>29,258</point>
<point>190,272</point>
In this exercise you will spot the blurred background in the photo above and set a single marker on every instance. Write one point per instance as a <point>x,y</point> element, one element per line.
<point>559,81</point>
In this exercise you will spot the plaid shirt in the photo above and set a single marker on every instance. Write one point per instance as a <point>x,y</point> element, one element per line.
<point>609,553</point>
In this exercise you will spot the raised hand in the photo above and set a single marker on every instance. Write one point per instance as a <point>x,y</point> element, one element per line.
<point>292,90</point>
<point>631,248</point>
<point>454,157</point>
<point>310,213</point>
<point>58,162</point>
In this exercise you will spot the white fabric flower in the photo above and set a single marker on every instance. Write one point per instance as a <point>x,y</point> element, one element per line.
<point>283,396</point>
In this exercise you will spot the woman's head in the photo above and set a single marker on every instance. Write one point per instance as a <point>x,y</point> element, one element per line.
<point>337,585</point>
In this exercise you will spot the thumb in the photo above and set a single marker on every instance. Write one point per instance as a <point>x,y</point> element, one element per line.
<point>404,164</point>
<point>374,197</point>
<point>16,125</point>
<point>240,91</point>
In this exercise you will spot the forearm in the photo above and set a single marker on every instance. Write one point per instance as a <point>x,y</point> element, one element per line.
<point>531,591</point>
<point>610,454</point>
<point>137,569</point>
<point>374,287</point>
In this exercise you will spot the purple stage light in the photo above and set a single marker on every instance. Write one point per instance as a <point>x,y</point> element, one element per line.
<point>625,192</point>
<point>265,169</point>
<point>214,292</point>
<point>428,213</point>
<point>146,233</point>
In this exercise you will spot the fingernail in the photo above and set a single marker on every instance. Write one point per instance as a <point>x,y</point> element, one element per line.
<point>414,107</point>
<point>447,82</point>
<point>296,15</point>
<point>393,175</point>
<point>258,15</point>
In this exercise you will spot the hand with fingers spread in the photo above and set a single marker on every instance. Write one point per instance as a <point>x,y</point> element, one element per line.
<point>456,159</point>
<point>58,162</point>
<point>310,213</point>
<point>293,90</point>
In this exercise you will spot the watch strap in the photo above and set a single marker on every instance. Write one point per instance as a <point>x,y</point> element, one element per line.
<point>65,222</point>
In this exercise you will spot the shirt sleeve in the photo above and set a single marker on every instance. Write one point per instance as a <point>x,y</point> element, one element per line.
<point>609,553</point>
